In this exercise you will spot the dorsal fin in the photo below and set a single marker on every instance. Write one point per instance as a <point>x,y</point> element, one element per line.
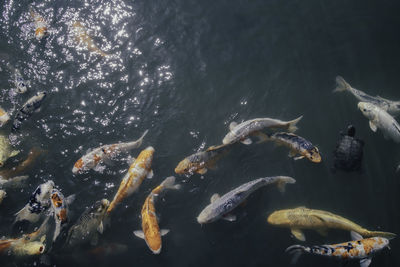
<point>214,197</point>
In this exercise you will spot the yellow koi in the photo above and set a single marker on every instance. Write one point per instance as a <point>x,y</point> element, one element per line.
<point>83,38</point>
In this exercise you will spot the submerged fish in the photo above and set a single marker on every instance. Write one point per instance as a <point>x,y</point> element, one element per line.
<point>83,38</point>
<point>221,206</point>
<point>40,25</point>
<point>4,117</point>
<point>297,145</point>
<point>38,202</point>
<point>3,194</point>
<point>358,249</point>
<point>19,82</point>
<point>14,182</point>
<point>151,231</point>
<point>108,249</point>
<point>138,170</point>
<point>24,166</point>
<point>392,107</point>
<point>6,150</point>
<point>302,218</point>
<point>241,132</point>
<point>59,206</point>
<point>30,106</point>
<point>104,153</point>
<point>89,225</point>
<point>378,118</point>
<point>201,161</point>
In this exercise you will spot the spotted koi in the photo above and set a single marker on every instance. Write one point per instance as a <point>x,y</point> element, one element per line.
<point>40,25</point>
<point>59,206</point>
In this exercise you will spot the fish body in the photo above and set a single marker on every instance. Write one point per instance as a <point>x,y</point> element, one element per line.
<point>358,249</point>
<point>6,150</point>
<point>4,117</point>
<point>201,161</point>
<point>59,205</point>
<point>40,25</point>
<point>220,206</point>
<point>3,194</point>
<point>379,118</point>
<point>98,155</point>
<point>23,167</point>
<point>83,38</point>
<point>139,169</point>
<point>38,202</point>
<point>241,132</point>
<point>298,146</point>
<point>89,224</point>
<point>302,218</point>
<point>150,230</point>
<point>33,104</point>
<point>392,107</point>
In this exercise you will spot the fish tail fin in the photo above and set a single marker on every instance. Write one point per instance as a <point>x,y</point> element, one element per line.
<point>296,251</point>
<point>292,124</point>
<point>140,140</point>
<point>169,183</point>
<point>341,85</point>
<point>378,233</point>
<point>282,181</point>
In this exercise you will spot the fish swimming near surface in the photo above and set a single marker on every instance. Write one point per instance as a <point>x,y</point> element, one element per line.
<point>83,38</point>
<point>378,118</point>
<point>201,161</point>
<point>3,194</point>
<point>88,226</point>
<point>59,206</point>
<point>151,232</point>
<point>38,202</point>
<point>40,25</point>
<point>221,206</point>
<point>139,169</point>
<point>4,117</point>
<point>14,182</point>
<point>302,218</point>
<point>298,146</point>
<point>103,154</point>
<point>33,104</point>
<point>241,132</point>
<point>6,150</point>
<point>392,107</point>
<point>358,249</point>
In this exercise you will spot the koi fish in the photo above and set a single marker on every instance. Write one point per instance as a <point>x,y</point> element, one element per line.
<point>151,231</point>
<point>138,170</point>
<point>83,38</point>
<point>30,106</point>
<point>241,132</point>
<point>20,83</point>
<point>59,206</point>
<point>319,220</point>
<point>221,206</point>
<point>14,182</point>
<point>24,166</point>
<point>40,25</point>
<point>103,154</point>
<point>379,118</point>
<point>6,150</point>
<point>3,194</point>
<point>38,202</point>
<point>4,117</point>
<point>392,107</point>
<point>297,145</point>
<point>89,225</point>
<point>201,161</point>
<point>358,249</point>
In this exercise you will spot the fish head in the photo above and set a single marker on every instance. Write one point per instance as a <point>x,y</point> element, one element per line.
<point>229,138</point>
<point>100,207</point>
<point>279,218</point>
<point>205,216</point>
<point>313,155</point>
<point>368,109</point>
<point>146,157</point>
<point>21,87</point>
<point>43,190</point>
<point>186,166</point>
<point>57,199</point>
<point>78,167</point>
<point>32,248</point>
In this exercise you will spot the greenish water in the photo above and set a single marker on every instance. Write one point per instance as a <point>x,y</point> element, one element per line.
<point>185,70</point>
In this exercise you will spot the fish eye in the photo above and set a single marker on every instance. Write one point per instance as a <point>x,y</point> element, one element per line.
<point>41,249</point>
<point>364,109</point>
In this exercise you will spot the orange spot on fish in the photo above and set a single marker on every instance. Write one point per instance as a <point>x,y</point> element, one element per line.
<point>79,164</point>
<point>57,201</point>
<point>40,31</point>
<point>63,215</point>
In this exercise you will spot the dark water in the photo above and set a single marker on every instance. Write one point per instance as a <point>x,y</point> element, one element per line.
<point>185,70</point>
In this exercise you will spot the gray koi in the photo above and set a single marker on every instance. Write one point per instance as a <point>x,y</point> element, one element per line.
<point>27,109</point>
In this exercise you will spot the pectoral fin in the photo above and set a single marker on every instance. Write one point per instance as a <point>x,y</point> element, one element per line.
<point>299,157</point>
<point>232,125</point>
<point>355,236</point>
<point>298,234</point>
<point>100,228</point>
<point>229,217</point>
<point>246,141</point>
<point>202,171</point>
<point>292,153</point>
<point>139,233</point>
<point>372,126</point>
<point>163,232</point>
<point>70,199</point>
<point>365,262</point>
<point>150,174</point>
<point>214,197</point>
<point>14,153</point>
<point>262,137</point>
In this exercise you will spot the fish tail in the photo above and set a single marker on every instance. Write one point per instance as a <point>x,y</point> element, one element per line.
<point>341,85</point>
<point>282,181</point>
<point>169,183</point>
<point>292,124</point>
<point>378,233</point>
<point>296,251</point>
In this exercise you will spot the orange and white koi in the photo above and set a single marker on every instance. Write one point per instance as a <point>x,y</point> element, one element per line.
<point>138,170</point>
<point>151,231</point>
<point>359,248</point>
<point>59,206</point>
<point>83,38</point>
<point>104,153</point>
<point>40,25</point>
